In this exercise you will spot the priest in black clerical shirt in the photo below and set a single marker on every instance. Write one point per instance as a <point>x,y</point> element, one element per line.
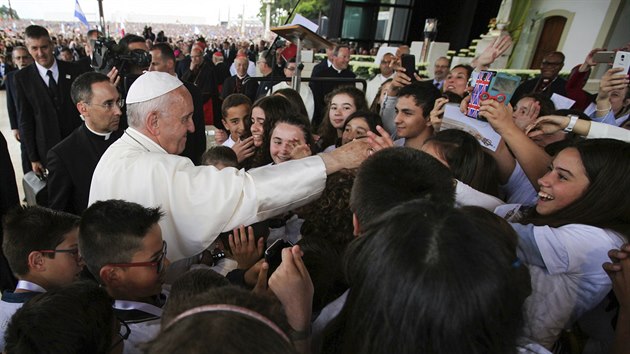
<point>338,69</point>
<point>71,163</point>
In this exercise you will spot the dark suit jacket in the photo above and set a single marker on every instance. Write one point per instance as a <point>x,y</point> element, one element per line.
<point>196,142</point>
<point>249,87</point>
<point>9,199</point>
<point>182,66</point>
<point>204,79</point>
<point>222,72</point>
<point>9,82</point>
<point>229,59</point>
<point>265,86</point>
<point>321,89</point>
<point>41,125</point>
<point>317,69</point>
<point>559,86</point>
<point>71,164</point>
<point>12,108</point>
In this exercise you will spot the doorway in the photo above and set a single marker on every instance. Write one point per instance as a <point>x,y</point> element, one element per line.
<point>549,39</point>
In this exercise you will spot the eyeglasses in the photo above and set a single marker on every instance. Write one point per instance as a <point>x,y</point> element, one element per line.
<point>72,251</point>
<point>159,262</point>
<point>109,105</point>
<point>123,334</point>
<point>549,63</point>
<point>290,68</point>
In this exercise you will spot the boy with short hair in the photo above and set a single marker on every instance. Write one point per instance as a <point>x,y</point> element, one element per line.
<point>235,110</point>
<point>41,246</point>
<point>412,121</point>
<point>121,243</point>
<point>220,157</point>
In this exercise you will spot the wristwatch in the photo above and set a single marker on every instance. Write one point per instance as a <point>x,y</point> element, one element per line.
<point>572,122</point>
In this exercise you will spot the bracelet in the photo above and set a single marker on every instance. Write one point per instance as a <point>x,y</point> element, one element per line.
<point>572,122</point>
<point>603,110</point>
<point>300,335</point>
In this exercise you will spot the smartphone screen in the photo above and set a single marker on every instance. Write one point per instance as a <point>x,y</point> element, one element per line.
<point>408,61</point>
<point>273,254</point>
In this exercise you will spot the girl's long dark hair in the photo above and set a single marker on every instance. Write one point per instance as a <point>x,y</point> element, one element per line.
<point>605,203</point>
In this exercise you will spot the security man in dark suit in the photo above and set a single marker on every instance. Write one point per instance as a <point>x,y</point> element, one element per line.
<point>71,163</point>
<point>21,59</point>
<point>46,112</point>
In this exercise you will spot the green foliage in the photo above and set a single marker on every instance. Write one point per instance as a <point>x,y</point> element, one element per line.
<point>4,13</point>
<point>310,9</point>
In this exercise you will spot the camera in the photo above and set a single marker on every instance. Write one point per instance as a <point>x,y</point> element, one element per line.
<point>108,54</point>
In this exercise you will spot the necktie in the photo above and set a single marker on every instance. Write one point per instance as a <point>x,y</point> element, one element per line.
<point>53,88</point>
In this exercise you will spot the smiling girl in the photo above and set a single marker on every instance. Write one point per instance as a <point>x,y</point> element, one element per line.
<point>342,103</point>
<point>582,212</point>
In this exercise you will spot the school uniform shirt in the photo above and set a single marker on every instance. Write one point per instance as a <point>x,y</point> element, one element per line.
<point>143,320</point>
<point>565,264</point>
<point>12,301</point>
<point>467,195</point>
<point>518,189</point>
<point>200,201</point>
<point>609,118</point>
<point>229,142</point>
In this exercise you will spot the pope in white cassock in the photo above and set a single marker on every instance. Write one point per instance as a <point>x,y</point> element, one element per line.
<point>199,201</point>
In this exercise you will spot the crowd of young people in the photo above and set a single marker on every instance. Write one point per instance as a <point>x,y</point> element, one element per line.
<point>434,244</point>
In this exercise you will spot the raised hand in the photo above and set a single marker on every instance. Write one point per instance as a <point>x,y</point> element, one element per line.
<point>379,142</point>
<point>292,285</point>
<point>246,251</point>
<point>437,113</point>
<point>244,148</point>
<point>493,51</point>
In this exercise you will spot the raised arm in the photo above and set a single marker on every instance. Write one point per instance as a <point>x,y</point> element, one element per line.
<point>532,158</point>
<point>591,130</point>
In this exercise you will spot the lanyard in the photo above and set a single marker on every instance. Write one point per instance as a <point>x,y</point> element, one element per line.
<point>134,305</point>
<point>27,285</point>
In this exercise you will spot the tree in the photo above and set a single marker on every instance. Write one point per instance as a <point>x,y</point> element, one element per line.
<point>310,9</point>
<point>5,13</point>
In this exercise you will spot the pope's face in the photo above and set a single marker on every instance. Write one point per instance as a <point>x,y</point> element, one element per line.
<point>175,122</point>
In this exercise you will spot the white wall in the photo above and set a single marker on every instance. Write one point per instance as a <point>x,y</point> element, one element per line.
<point>587,19</point>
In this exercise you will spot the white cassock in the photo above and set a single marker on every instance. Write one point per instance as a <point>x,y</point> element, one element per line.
<point>200,201</point>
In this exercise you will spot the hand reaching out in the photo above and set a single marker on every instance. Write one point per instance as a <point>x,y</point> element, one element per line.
<point>300,150</point>
<point>498,115</point>
<point>246,251</point>
<point>292,285</point>
<point>379,142</point>
<point>547,125</point>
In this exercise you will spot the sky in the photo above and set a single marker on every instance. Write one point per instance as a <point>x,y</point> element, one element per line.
<point>184,11</point>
